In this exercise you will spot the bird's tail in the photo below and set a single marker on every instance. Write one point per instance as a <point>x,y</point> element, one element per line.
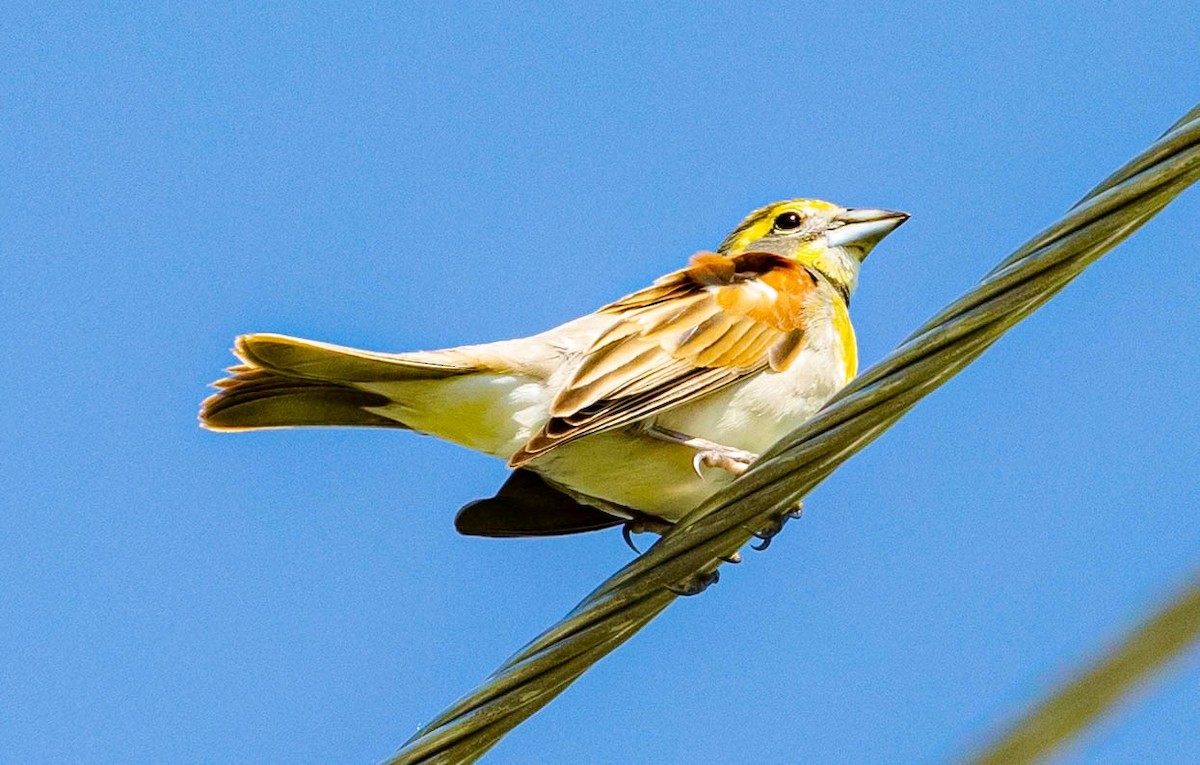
<point>288,382</point>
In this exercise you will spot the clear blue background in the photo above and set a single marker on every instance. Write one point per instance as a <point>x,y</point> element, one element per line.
<point>171,176</point>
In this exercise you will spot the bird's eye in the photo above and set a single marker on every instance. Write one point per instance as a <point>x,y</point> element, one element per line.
<point>788,221</point>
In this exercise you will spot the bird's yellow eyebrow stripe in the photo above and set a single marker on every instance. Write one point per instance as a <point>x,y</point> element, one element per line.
<point>751,230</point>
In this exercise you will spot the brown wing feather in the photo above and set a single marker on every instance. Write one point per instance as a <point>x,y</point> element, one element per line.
<point>689,334</point>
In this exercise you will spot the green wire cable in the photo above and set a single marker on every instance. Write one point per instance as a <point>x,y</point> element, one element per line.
<point>1096,689</point>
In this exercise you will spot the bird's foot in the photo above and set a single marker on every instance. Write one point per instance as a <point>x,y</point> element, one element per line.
<point>697,583</point>
<point>658,526</point>
<point>735,461</point>
<point>641,524</point>
<point>765,535</point>
<point>708,453</point>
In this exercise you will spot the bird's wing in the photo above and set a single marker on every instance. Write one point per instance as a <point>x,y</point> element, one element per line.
<point>689,334</point>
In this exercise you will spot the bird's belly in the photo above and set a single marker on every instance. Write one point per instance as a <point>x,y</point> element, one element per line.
<point>755,414</point>
<point>630,468</point>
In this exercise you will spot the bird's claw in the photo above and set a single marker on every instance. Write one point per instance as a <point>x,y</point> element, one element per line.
<point>627,535</point>
<point>696,584</point>
<point>765,535</point>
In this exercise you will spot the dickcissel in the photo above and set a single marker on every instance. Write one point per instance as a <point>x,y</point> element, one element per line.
<point>633,414</point>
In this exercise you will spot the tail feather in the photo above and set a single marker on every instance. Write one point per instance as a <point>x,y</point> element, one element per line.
<point>326,361</point>
<point>259,398</point>
<point>289,382</point>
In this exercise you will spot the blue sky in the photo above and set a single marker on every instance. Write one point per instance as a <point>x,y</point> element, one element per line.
<point>171,176</point>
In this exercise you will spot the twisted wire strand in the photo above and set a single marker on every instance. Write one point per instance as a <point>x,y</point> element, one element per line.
<point>1097,688</point>
<point>857,415</point>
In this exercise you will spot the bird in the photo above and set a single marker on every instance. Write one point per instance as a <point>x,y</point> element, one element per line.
<point>630,415</point>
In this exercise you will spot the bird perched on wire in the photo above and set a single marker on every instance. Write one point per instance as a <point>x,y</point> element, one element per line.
<point>630,415</point>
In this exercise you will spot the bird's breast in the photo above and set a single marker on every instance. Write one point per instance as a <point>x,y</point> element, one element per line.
<point>757,411</point>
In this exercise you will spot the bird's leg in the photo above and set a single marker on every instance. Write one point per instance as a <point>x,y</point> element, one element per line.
<point>708,453</point>
<point>765,535</point>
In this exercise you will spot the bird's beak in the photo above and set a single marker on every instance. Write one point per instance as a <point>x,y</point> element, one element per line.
<point>862,228</point>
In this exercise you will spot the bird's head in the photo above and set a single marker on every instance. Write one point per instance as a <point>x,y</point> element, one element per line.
<point>829,239</point>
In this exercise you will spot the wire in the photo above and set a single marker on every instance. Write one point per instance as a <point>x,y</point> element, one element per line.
<point>857,415</point>
<point>1097,688</point>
